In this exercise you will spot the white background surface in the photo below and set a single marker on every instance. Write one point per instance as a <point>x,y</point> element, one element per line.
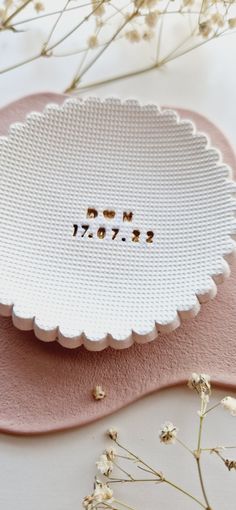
<point>54,472</point>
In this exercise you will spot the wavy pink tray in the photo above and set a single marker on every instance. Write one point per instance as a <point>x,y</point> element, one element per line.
<point>36,378</point>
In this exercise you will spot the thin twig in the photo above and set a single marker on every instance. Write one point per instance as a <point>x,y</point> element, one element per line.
<point>83,50</point>
<point>134,480</point>
<point>77,79</point>
<point>76,27</point>
<point>198,455</point>
<point>53,13</point>
<point>184,445</point>
<point>19,9</point>
<point>186,493</point>
<point>211,408</point>
<point>161,32</point>
<point>202,43</point>
<point>88,49</point>
<point>157,473</point>
<point>167,58</point>
<point>122,470</point>
<point>123,504</point>
<point>160,477</point>
<point>146,470</point>
<point>217,448</point>
<point>42,53</point>
<point>20,64</point>
<point>55,25</point>
<point>98,83</point>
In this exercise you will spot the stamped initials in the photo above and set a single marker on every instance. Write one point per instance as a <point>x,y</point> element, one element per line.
<point>109,231</point>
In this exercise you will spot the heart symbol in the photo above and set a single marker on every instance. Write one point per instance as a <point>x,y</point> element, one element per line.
<point>109,214</point>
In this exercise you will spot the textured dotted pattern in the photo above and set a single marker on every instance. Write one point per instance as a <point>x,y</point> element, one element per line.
<point>121,156</point>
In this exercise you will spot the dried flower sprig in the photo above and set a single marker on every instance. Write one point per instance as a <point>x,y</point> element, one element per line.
<point>168,433</point>
<point>98,393</point>
<point>135,21</point>
<point>229,404</point>
<point>120,465</point>
<point>101,494</point>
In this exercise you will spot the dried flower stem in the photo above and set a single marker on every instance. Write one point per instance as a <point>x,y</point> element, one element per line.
<point>133,480</point>
<point>86,4</point>
<point>180,489</point>
<point>185,446</point>
<point>77,79</point>
<point>217,448</point>
<point>197,457</point>
<point>158,64</point>
<point>83,50</point>
<point>103,495</point>
<point>123,471</point>
<point>47,53</point>
<point>76,27</point>
<point>172,53</point>
<point>164,480</point>
<point>52,13</point>
<point>18,9</point>
<point>20,64</point>
<point>124,505</point>
<point>207,24</point>
<point>211,408</point>
<point>115,78</point>
<point>87,50</point>
<point>134,456</point>
<point>55,25</point>
<point>188,50</point>
<point>106,505</point>
<point>160,32</point>
<point>160,477</point>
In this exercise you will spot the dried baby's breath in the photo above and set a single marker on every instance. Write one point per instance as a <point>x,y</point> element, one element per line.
<point>232,23</point>
<point>133,36</point>
<point>187,3</point>
<point>145,3</point>
<point>111,454</point>
<point>112,434</point>
<point>8,3</point>
<point>104,465</point>
<point>107,21</point>
<point>98,8</point>
<point>98,393</point>
<point>205,28</point>
<point>200,383</point>
<point>122,465</point>
<point>168,433</point>
<point>92,41</point>
<point>148,35</point>
<point>229,403</point>
<point>218,19</point>
<point>102,494</point>
<point>151,18</point>
<point>39,6</point>
<point>230,464</point>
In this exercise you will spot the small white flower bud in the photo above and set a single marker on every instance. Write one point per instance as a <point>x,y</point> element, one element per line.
<point>168,433</point>
<point>229,403</point>
<point>112,434</point>
<point>104,465</point>
<point>98,393</point>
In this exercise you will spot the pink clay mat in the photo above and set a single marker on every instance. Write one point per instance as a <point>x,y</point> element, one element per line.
<point>44,387</point>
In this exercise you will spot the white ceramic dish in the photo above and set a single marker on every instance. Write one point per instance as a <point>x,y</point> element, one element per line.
<point>116,222</point>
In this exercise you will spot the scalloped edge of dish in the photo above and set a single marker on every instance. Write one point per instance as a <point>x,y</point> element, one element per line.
<point>49,332</point>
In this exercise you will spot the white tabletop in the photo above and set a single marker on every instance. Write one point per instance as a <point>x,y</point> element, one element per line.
<point>54,472</point>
